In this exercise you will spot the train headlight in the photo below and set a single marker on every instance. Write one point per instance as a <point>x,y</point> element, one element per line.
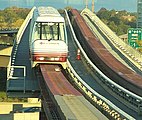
<point>39,58</point>
<point>57,59</point>
<point>54,59</point>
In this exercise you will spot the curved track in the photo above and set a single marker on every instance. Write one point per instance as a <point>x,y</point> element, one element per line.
<point>106,40</point>
<point>86,75</point>
<point>105,61</point>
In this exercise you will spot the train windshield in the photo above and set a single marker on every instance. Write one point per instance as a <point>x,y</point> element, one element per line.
<point>49,31</point>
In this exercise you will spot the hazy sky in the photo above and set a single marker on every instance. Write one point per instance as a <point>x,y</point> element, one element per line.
<point>129,5</point>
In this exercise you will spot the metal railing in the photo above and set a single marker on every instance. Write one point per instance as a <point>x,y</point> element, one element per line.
<point>11,76</point>
<point>11,65</point>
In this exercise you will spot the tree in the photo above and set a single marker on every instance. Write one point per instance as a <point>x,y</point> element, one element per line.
<point>113,12</point>
<point>68,8</point>
<point>104,14</point>
<point>112,26</point>
<point>17,23</point>
<point>12,17</point>
<point>115,19</point>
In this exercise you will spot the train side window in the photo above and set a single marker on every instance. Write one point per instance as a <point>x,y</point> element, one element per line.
<point>61,33</point>
<point>55,32</point>
<point>44,32</point>
<point>37,31</point>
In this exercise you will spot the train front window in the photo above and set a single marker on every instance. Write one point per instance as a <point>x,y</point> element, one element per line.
<point>50,31</point>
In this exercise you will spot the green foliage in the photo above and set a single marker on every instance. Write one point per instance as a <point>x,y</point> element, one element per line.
<point>117,20</point>
<point>112,26</point>
<point>10,17</point>
<point>104,14</point>
<point>68,8</point>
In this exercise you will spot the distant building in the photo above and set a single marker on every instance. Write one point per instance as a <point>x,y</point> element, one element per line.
<point>139,12</point>
<point>124,38</point>
<point>129,18</point>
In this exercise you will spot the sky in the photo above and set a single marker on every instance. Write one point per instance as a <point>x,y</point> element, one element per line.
<point>129,5</point>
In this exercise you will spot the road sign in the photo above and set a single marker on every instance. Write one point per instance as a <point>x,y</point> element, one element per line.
<point>135,37</point>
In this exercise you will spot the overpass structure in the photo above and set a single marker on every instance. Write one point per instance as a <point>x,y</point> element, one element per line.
<point>6,46</point>
<point>22,79</point>
<point>5,53</point>
<point>8,31</point>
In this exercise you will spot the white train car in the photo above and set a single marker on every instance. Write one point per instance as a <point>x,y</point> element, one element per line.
<point>48,41</point>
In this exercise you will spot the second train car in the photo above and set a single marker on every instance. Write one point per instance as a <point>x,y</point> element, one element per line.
<point>48,39</point>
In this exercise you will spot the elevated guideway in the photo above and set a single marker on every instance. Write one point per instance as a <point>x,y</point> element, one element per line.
<point>86,76</point>
<point>21,80</point>
<point>104,41</point>
<point>128,96</point>
<point>122,51</point>
<point>68,103</point>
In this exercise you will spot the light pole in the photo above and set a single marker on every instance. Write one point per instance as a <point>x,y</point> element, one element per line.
<point>86,3</point>
<point>93,5</point>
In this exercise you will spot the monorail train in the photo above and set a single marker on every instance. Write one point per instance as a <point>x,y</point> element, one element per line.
<point>48,39</point>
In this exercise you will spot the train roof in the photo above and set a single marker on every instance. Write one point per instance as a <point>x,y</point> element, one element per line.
<point>48,14</point>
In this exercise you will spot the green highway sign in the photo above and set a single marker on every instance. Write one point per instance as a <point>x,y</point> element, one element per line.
<point>134,37</point>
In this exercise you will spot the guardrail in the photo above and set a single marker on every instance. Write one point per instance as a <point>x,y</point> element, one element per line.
<point>96,98</point>
<point>134,100</point>
<point>11,64</point>
<point>11,76</point>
